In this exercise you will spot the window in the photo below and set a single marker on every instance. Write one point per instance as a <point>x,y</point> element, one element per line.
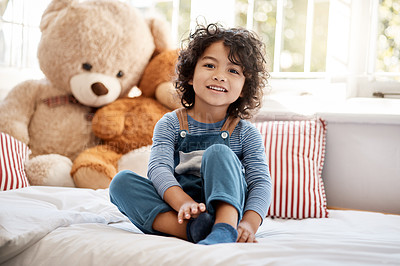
<point>353,42</point>
<point>294,31</point>
<point>19,32</point>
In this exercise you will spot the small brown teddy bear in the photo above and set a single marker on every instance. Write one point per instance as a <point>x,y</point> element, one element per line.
<point>91,53</point>
<point>127,124</point>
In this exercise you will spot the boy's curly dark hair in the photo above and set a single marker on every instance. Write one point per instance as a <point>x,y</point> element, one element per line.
<point>246,50</point>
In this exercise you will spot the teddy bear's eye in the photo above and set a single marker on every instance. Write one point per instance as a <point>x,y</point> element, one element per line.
<point>120,74</point>
<point>87,66</point>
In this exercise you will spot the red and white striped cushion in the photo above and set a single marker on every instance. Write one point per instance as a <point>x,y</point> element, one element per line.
<point>295,153</point>
<point>13,154</point>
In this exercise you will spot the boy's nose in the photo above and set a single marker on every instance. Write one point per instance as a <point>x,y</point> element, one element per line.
<point>219,77</point>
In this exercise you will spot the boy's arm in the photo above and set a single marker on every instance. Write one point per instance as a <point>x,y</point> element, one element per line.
<point>258,184</point>
<point>258,179</point>
<point>161,162</point>
<point>176,197</point>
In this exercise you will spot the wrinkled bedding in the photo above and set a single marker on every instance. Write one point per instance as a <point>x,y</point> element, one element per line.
<point>71,226</point>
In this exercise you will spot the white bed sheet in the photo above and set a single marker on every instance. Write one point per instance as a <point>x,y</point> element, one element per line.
<point>28,214</point>
<point>88,230</point>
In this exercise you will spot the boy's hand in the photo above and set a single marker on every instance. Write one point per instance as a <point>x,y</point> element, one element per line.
<point>245,233</point>
<point>248,227</point>
<point>182,203</point>
<point>190,209</point>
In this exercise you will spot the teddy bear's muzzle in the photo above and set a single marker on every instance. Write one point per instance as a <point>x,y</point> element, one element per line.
<point>95,89</point>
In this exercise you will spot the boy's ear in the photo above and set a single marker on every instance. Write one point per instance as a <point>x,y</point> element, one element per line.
<point>190,82</point>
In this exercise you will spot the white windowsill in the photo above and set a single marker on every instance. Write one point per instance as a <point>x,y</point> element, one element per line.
<point>328,101</point>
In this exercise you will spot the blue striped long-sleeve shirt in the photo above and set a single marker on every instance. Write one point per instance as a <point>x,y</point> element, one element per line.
<point>245,142</point>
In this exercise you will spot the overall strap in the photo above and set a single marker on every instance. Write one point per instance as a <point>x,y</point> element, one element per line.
<point>182,117</point>
<point>230,124</point>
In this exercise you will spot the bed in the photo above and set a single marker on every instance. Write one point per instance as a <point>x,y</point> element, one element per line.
<point>42,225</point>
<point>74,226</point>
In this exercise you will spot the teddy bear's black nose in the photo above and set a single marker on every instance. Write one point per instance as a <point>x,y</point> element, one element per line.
<point>99,89</point>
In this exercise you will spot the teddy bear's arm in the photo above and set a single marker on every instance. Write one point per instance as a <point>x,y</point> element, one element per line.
<point>17,108</point>
<point>159,70</point>
<point>109,121</point>
<point>157,79</point>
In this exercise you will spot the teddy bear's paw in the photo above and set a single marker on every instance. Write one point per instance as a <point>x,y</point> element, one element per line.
<point>49,170</point>
<point>167,95</point>
<point>86,177</point>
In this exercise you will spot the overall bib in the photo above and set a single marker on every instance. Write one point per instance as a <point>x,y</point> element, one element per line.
<point>206,168</point>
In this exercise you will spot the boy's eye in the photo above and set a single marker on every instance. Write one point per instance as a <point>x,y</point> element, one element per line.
<point>234,71</point>
<point>209,65</point>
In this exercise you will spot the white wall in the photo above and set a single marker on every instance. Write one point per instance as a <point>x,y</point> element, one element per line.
<point>362,166</point>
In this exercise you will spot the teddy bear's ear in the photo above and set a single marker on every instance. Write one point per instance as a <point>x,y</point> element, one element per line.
<point>161,34</point>
<point>52,10</point>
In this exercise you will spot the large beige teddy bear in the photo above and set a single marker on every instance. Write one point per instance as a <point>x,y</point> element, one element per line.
<point>91,53</point>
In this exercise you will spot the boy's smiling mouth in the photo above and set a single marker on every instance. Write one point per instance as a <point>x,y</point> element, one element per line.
<point>217,88</point>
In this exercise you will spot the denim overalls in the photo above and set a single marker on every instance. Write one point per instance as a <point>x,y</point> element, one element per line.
<point>206,168</point>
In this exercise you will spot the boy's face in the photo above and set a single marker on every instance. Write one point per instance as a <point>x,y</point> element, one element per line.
<point>217,82</point>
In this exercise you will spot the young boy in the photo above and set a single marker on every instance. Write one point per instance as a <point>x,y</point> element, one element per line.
<point>208,180</point>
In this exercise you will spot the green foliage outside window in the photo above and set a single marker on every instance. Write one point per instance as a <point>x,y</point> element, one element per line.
<point>294,31</point>
<point>388,56</point>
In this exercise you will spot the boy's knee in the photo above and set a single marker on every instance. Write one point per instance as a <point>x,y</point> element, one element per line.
<point>216,150</point>
<point>119,182</point>
<point>219,156</point>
